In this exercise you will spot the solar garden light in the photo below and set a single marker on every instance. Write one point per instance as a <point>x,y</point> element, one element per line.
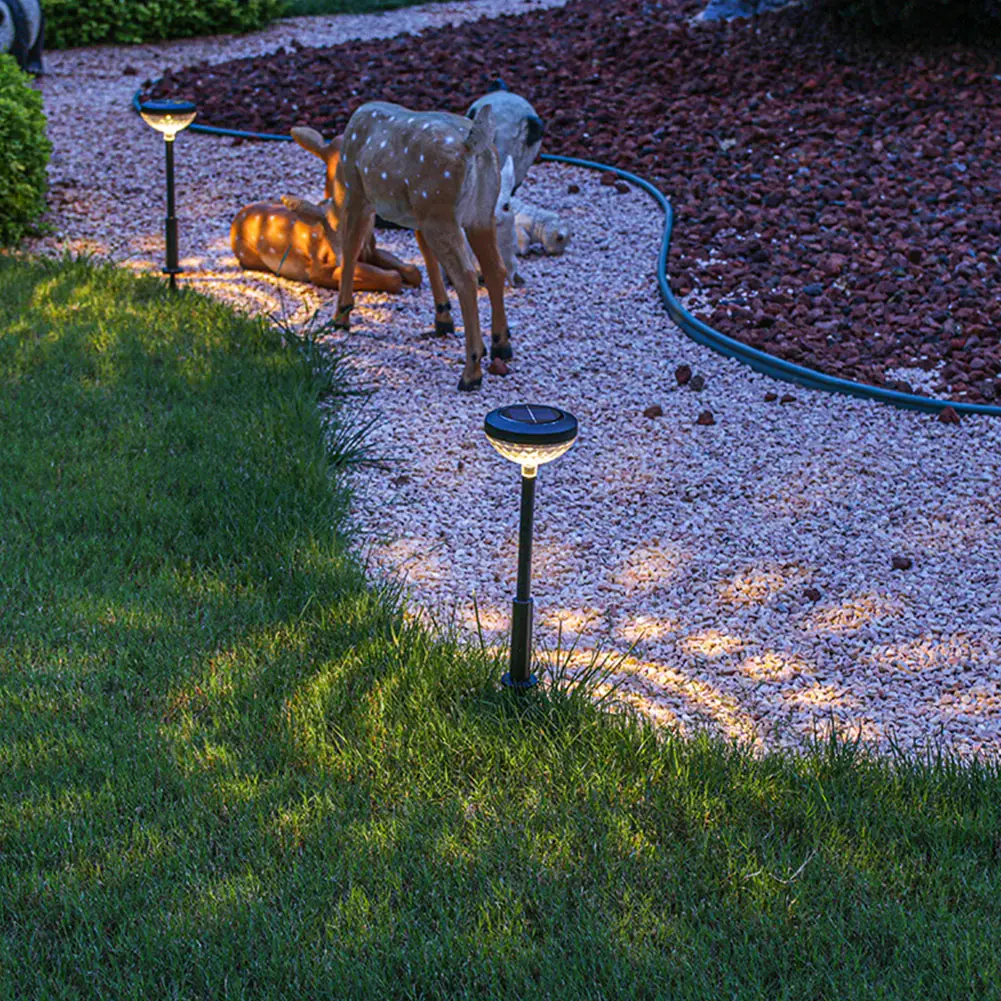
<point>169,118</point>
<point>529,434</point>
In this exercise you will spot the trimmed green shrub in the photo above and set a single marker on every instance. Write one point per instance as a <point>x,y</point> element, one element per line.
<point>940,20</point>
<point>24,152</point>
<point>70,22</point>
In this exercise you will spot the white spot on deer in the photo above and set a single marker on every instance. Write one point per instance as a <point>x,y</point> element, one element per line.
<point>382,145</point>
<point>448,173</point>
<point>384,175</point>
<point>354,136</point>
<point>422,157</point>
<point>426,126</point>
<point>424,194</point>
<point>406,150</point>
<point>449,140</point>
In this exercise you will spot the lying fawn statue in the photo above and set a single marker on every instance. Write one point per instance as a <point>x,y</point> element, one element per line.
<point>437,174</point>
<point>296,239</point>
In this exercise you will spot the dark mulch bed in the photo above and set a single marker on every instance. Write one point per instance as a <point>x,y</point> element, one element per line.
<point>838,206</point>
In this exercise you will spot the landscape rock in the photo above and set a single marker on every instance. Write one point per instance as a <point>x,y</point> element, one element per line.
<point>728,10</point>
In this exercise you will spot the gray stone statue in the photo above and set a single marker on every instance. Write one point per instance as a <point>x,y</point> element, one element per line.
<point>727,10</point>
<point>22,30</point>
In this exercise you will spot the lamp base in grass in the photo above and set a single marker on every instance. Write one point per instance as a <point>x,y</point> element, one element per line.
<point>519,686</point>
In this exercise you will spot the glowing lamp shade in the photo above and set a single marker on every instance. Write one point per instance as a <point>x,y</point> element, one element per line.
<point>530,433</point>
<point>168,117</point>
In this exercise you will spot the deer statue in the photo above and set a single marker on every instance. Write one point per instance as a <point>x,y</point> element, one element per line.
<point>437,174</point>
<point>519,132</point>
<point>299,240</point>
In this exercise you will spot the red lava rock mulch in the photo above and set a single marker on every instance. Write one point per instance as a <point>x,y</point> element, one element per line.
<point>836,206</point>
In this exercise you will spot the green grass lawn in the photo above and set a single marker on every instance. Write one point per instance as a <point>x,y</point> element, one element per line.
<point>230,769</point>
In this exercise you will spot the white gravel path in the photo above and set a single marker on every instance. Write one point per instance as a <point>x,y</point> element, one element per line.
<point>694,545</point>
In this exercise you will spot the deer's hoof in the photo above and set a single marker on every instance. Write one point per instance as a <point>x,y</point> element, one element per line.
<point>444,328</point>
<point>518,281</point>
<point>502,351</point>
<point>344,324</point>
<point>473,384</point>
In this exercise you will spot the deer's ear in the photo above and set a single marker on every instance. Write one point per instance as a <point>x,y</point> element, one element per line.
<point>535,129</point>
<point>482,134</point>
<point>310,139</point>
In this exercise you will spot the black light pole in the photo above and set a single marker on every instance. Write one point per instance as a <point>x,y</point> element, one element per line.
<point>172,269</point>
<point>529,434</point>
<point>169,118</point>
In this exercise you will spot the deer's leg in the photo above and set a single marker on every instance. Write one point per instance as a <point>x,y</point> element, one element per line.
<point>369,278</point>
<point>484,244</point>
<point>449,247</point>
<point>443,322</point>
<point>358,217</point>
<point>390,262</point>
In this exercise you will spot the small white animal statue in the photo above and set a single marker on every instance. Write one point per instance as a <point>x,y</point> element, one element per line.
<point>533,224</point>
<point>437,174</point>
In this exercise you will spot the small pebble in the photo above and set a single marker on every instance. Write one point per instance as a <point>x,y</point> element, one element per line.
<point>608,180</point>
<point>788,398</point>
<point>622,188</point>
<point>706,418</point>
<point>902,563</point>
<point>771,397</point>
<point>697,384</point>
<point>573,189</point>
<point>498,367</point>
<point>811,594</point>
<point>683,373</point>
<point>948,415</point>
<point>655,410</point>
<point>400,481</point>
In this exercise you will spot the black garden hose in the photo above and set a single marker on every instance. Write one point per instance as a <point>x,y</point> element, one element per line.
<point>701,332</point>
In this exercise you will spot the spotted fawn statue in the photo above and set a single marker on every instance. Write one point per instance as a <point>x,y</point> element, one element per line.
<point>300,240</point>
<point>437,174</point>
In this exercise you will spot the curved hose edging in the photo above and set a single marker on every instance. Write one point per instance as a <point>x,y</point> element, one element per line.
<point>702,333</point>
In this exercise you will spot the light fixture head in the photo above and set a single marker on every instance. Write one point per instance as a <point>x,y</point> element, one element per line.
<point>168,117</point>
<point>530,433</point>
